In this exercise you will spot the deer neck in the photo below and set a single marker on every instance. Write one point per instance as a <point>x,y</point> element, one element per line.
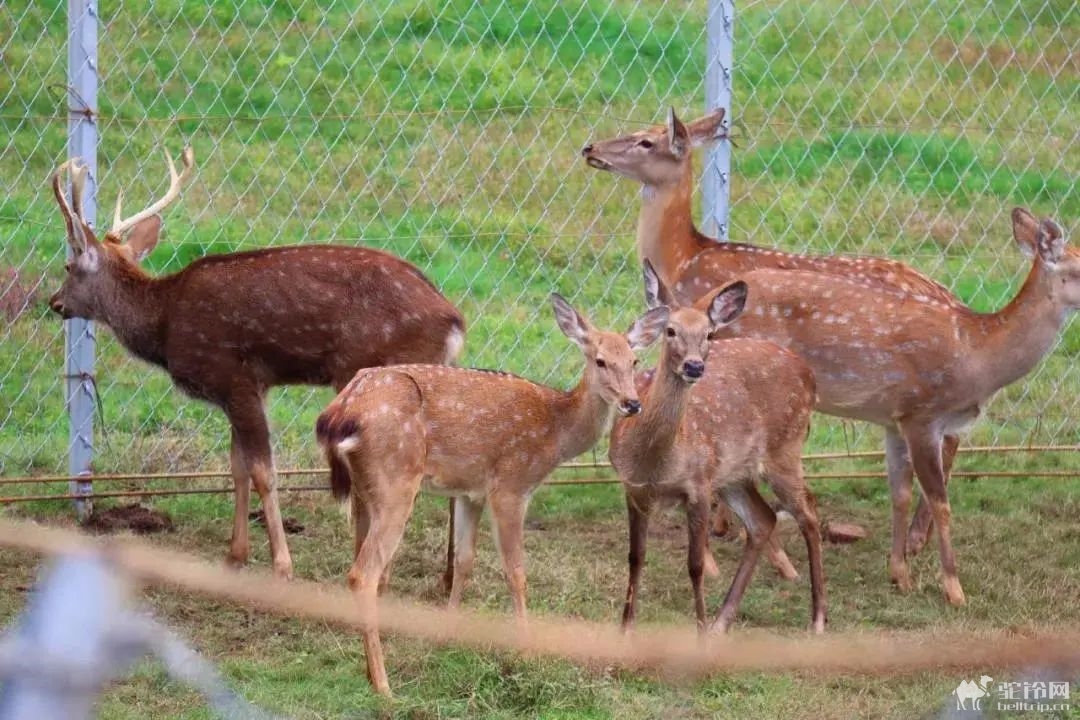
<point>581,418</point>
<point>136,309</point>
<point>666,235</point>
<point>1021,334</point>
<point>652,434</point>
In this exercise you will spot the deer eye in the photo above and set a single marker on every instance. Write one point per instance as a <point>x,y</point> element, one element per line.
<point>645,143</point>
<point>635,362</point>
<point>671,332</point>
<point>600,363</point>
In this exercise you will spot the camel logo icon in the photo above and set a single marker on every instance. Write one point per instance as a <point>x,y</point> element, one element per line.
<point>969,690</point>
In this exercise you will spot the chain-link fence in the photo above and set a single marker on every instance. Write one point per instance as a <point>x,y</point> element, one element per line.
<point>449,133</point>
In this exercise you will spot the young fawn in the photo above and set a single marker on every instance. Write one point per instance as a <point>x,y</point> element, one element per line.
<point>920,368</point>
<point>718,417</point>
<point>229,327</point>
<point>482,436</point>
<point>692,264</point>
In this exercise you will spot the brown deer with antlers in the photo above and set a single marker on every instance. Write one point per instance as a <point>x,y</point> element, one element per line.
<point>483,437</point>
<point>918,367</point>
<point>693,264</point>
<point>229,327</point>
<point>717,418</point>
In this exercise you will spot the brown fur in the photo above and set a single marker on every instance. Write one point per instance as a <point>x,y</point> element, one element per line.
<point>482,437</point>
<point>693,264</point>
<point>227,328</point>
<point>920,368</point>
<point>744,421</point>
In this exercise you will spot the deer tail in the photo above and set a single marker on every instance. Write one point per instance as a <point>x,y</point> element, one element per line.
<point>337,434</point>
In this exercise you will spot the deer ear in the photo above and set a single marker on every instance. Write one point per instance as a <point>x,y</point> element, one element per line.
<point>144,237</point>
<point>647,328</point>
<point>571,322</point>
<point>1051,242</point>
<point>1025,231</point>
<point>728,304</point>
<point>707,129</point>
<point>678,135</point>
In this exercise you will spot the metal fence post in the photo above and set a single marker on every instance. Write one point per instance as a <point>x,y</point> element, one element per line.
<point>79,334</point>
<point>716,183</point>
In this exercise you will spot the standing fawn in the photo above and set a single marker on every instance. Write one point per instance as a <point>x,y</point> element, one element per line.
<point>482,436</point>
<point>719,428</point>
<point>918,367</point>
<point>229,327</point>
<point>692,264</point>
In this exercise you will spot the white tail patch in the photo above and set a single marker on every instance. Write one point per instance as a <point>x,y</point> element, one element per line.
<point>455,341</point>
<point>346,446</point>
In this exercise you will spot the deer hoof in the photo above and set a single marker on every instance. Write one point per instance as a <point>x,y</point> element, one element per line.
<point>954,593</point>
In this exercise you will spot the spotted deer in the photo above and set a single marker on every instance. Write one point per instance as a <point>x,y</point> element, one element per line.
<point>229,327</point>
<point>718,418</point>
<point>692,263</point>
<point>484,437</point>
<point>918,367</point>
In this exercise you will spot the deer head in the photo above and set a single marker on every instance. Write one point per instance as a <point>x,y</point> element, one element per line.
<point>609,356</point>
<point>659,155</point>
<point>690,329</point>
<point>1058,263</point>
<point>96,266</point>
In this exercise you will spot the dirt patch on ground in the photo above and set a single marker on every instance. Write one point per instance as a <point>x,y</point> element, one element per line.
<point>136,518</point>
<point>1002,57</point>
<point>292,525</point>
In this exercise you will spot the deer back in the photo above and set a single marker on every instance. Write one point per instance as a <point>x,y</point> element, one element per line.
<point>306,314</point>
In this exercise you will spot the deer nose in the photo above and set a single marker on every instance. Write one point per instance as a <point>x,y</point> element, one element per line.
<point>56,305</point>
<point>631,407</point>
<point>587,149</point>
<point>693,369</point>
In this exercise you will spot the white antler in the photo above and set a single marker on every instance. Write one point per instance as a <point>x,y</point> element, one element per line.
<point>175,181</point>
<point>74,220</point>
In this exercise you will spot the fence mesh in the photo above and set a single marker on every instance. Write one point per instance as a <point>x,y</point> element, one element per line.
<point>449,133</point>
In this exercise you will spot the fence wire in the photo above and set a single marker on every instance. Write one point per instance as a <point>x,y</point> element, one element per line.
<point>448,132</point>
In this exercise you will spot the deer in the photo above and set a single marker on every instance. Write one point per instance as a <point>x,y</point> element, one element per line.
<point>228,327</point>
<point>692,264</point>
<point>481,436</point>
<point>920,368</point>
<point>719,417</point>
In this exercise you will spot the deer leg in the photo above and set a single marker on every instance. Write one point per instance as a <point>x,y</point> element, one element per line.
<point>240,546</point>
<point>638,516</point>
<point>448,573</point>
<point>361,522</point>
<point>386,524</point>
<point>898,467</point>
<point>467,516</point>
<point>926,456</point>
<point>508,521</point>
<point>790,488</point>
<point>774,550</point>
<point>759,520</point>
<point>697,526</point>
<point>249,421</point>
<point>923,522</point>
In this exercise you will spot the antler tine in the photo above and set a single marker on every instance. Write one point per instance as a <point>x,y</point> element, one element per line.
<point>175,182</point>
<point>79,172</point>
<point>72,220</point>
<point>58,190</point>
<point>117,218</point>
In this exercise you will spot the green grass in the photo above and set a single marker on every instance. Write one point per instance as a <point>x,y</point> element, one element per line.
<point>1018,549</point>
<point>449,133</point>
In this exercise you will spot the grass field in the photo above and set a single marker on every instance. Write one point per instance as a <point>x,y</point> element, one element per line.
<point>449,133</point>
